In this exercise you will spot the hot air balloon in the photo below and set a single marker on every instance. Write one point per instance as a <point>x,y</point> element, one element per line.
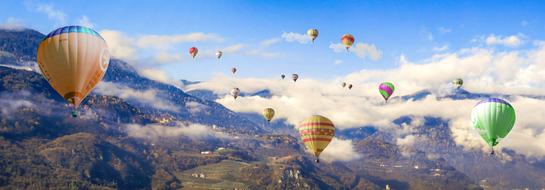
<point>268,113</point>
<point>73,59</point>
<point>219,54</point>
<point>193,52</point>
<point>347,40</point>
<point>386,89</point>
<point>235,92</point>
<point>343,84</point>
<point>349,86</point>
<point>316,132</point>
<point>312,33</point>
<point>458,83</point>
<point>493,118</point>
<point>233,70</point>
<point>294,77</point>
<point>283,76</point>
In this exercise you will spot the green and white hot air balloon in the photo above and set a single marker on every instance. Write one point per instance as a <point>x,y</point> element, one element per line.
<point>493,118</point>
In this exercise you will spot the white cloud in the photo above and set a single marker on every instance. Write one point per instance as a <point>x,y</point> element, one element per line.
<point>154,131</point>
<point>361,50</point>
<point>52,13</point>
<point>339,150</point>
<point>444,30</point>
<point>514,72</point>
<point>85,21</point>
<point>12,23</point>
<point>166,41</point>
<point>120,45</point>
<point>263,54</point>
<point>366,50</point>
<point>509,41</point>
<point>441,48</point>
<point>149,97</point>
<point>338,62</point>
<point>295,37</point>
<point>196,107</point>
<point>269,42</point>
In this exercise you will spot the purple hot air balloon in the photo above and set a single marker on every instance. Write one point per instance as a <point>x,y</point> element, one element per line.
<point>386,89</point>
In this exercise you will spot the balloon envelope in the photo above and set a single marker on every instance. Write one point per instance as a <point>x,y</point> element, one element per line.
<point>386,89</point>
<point>347,40</point>
<point>193,51</point>
<point>268,113</point>
<point>73,59</point>
<point>294,77</point>
<point>312,33</point>
<point>316,133</point>
<point>219,54</point>
<point>458,82</point>
<point>235,92</point>
<point>493,118</point>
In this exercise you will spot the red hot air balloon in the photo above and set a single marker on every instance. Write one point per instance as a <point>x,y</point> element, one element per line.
<point>193,52</point>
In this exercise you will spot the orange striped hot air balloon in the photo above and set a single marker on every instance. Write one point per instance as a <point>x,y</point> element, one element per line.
<point>316,132</point>
<point>73,59</point>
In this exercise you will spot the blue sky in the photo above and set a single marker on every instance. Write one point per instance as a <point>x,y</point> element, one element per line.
<point>415,29</point>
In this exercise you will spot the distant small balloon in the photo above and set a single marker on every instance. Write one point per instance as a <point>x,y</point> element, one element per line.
<point>235,93</point>
<point>294,77</point>
<point>349,86</point>
<point>233,70</point>
<point>283,76</point>
<point>312,33</point>
<point>219,54</point>
<point>347,40</point>
<point>193,52</point>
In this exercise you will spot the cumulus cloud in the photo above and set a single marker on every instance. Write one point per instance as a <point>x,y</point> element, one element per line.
<point>12,23</point>
<point>167,41</point>
<point>149,97</point>
<point>444,30</point>
<point>361,50</point>
<point>512,72</point>
<point>441,48</point>
<point>295,37</point>
<point>339,150</point>
<point>196,107</point>
<point>155,131</point>
<point>52,13</point>
<point>509,41</point>
<point>269,42</point>
<point>120,45</point>
<point>85,21</point>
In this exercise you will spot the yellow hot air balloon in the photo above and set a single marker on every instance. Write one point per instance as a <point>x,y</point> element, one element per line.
<point>312,33</point>
<point>347,40</point>
<point>268,113</point>
<point>316,132</point>
<point>73,59</point>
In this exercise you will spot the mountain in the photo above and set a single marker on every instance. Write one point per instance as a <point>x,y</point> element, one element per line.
<point>114,143</point>
<point>43,147</point>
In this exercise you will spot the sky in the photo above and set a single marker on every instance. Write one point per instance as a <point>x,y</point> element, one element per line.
<point>266,38</point>
<point>496,47</point>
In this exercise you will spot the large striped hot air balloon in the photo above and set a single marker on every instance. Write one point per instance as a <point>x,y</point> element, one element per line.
<point>312,33</point>
<point>73,59</point>
<point>386,89</point>
<point>347,40</point>
<point>493,118</point>
<point>193,52</point>
<point>268,113</point>
<point>316,133</point>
